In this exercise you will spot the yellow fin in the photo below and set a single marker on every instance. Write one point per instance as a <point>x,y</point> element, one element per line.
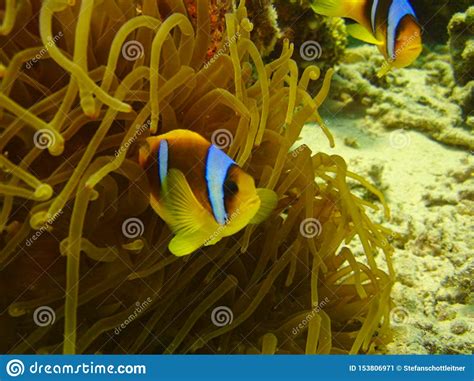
<point>353,9</point>
<point>185,244</point>
<point>329,8</point>
<point>268,203</point>
<point>361,33</point>
<point>386,67</point>
<point>186,215</point>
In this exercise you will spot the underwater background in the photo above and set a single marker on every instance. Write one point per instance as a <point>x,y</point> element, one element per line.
<point>370,248</point>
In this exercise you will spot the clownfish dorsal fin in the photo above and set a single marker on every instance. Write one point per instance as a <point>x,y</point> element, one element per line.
<point>361,33</point>
<point>353,9</point>
<point>268,203</point>
<point>185,212</point>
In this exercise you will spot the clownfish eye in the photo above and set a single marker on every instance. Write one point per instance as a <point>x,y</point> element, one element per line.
<point>230,188</point>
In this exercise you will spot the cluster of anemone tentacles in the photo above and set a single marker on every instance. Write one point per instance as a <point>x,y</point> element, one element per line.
<point>81,86</point>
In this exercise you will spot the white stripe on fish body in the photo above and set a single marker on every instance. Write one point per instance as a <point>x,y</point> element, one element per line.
<point>398,10</point>
<point>217,166</point>
<point>163,160</point>
<point>373,14</point>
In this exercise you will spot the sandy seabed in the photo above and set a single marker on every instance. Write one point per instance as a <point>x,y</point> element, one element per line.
<point>429,188</point>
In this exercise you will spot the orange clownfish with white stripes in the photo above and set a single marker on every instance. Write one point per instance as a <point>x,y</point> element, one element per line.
<point>391,25</point>
<point>199,191</point>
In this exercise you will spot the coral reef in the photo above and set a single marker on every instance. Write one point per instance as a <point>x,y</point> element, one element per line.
<point>461,45</point>
<point>266,32</point>
<point>434,17</point>
<point>429,187</point>
<point>424,97</point>
<point>82,86</point>
<point>297,22</point>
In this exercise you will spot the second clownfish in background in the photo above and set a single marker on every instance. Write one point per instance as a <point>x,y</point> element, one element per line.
<point>389,24</point>
<point>199,191</point>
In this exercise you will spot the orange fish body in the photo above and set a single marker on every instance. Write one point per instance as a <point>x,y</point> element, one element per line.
<point>391,25</point>
<point>199,191</point>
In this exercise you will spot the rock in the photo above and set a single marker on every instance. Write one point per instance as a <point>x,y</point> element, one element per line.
<point>458,327</point>
<point>461,45</point>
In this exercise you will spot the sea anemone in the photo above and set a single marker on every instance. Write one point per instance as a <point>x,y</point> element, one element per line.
<point>84,260</point>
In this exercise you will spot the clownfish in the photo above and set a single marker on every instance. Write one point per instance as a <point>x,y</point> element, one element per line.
<point>199,191</point>
<point>390,24</point>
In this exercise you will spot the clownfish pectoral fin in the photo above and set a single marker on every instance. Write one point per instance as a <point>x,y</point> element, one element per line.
<point>185,244</point>
<point>185,213</point>
<point>361,33</point>
<point>268,203</point>
<point>386,67</point>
